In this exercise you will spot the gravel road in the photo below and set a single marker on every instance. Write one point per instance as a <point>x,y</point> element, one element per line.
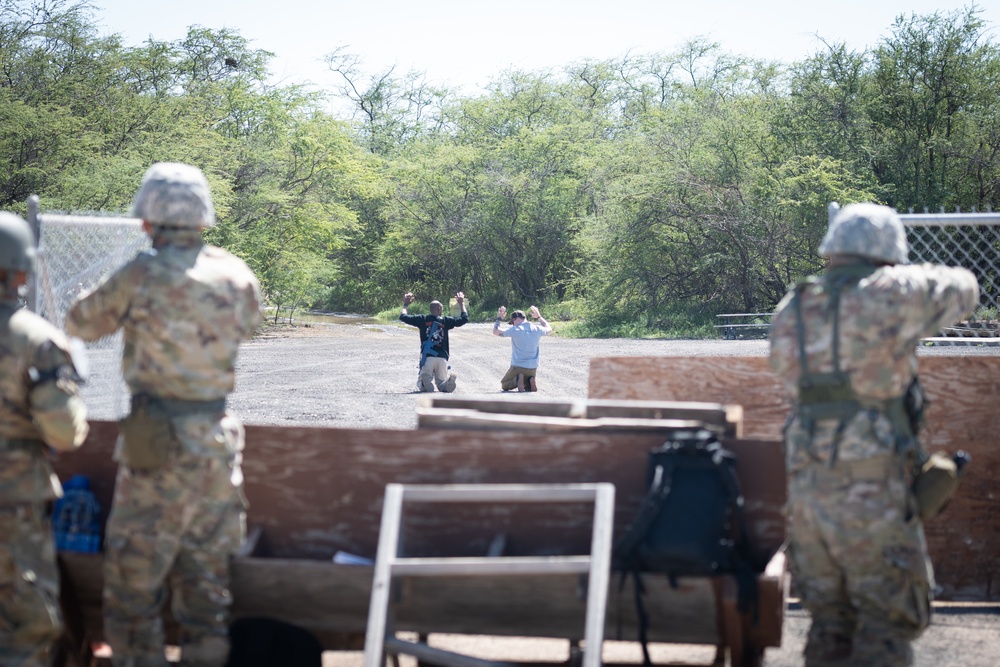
<point>364,375</point>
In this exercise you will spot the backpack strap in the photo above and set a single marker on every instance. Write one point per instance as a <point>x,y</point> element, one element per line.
<point>640,610</point>
<point>824,396</point>
<point>747,565</point>
<point>659,489</point>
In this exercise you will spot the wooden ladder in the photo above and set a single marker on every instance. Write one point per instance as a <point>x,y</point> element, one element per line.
<point>379,637</point>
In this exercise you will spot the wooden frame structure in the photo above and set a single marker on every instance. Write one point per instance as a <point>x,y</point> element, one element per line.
<point>597,565</point>
<point>316,491</point>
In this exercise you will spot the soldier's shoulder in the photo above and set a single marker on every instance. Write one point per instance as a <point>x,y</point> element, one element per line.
<point>233,262</point>
<point>910,278</point>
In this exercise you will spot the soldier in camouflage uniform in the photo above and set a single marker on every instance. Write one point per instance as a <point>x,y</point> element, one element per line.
<point>845,345</point>
<point>39,406</point>
<point>178,512</point>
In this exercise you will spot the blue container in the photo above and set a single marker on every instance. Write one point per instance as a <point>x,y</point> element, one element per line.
<point>76,520</point>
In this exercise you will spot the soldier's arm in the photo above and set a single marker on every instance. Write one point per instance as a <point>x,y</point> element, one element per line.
<point>54,397</point>
<point>98,313</point>
<point>253,315</point>
<point>949,294</point>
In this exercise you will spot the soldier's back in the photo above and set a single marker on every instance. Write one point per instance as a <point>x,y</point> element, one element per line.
<point>186,321</point>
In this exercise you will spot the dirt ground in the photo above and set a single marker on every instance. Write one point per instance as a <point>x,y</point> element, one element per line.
<point>364,376</point>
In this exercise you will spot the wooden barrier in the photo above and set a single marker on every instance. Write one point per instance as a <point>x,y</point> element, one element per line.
<point>316,491</point>
<point>962,390</point>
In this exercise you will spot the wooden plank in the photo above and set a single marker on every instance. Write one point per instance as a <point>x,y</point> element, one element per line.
<point>315,491</point>
<point>729,416</point>
<point>744,381</point>
<point>473,419</point>
<point>599,576</point>
<point>962,392</point>
<point>513,405</point>
<point>388,546</point>
<point>485,566</point>
<point>436,656</point>
<point>336,596</point>
<point>494,493</point>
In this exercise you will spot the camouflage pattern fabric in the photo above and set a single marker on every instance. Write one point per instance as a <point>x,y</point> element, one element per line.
<point>180,524</point>
<point>45,410</point>
<point>39,405</point>
<point>29,586</point>
<point>857,549</point>
<point>185,308</point>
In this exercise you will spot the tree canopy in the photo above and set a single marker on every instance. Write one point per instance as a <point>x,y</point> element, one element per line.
<point>691,181</point>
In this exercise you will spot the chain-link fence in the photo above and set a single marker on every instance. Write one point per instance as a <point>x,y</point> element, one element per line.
<point>970,240</point>
<point>74,253</point>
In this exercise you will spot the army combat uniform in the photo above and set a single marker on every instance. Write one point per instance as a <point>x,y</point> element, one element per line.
<point>178,512</point>
<point>39,407</point>
<point>857,549</point>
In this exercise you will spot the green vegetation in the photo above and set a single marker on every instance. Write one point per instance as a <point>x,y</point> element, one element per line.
<point>636,197</point>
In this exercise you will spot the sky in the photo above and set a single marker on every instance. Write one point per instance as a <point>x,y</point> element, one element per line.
<point>465,43</point>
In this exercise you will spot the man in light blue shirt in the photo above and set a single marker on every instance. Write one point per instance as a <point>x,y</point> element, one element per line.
<point>524,337</point>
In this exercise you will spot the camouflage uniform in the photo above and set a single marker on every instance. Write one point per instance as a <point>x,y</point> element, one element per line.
<point>39,406</point>
<point>185,307</point>
<point>857,548</point>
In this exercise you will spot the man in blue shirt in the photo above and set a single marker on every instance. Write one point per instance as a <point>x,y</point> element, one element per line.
<point>434,342</point>
<point>524,337</point>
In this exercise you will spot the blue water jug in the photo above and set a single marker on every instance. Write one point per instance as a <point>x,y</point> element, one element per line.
<point>76,520</point>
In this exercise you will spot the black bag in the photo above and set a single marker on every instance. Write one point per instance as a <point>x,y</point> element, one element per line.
<point>691,521</point>
<point>266,642</point>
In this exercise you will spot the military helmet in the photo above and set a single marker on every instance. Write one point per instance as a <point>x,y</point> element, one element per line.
<point>174,195</point>
<point>867,230</point>
<point>17,243</point>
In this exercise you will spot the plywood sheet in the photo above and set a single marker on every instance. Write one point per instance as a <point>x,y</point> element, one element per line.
<point>315,491</point>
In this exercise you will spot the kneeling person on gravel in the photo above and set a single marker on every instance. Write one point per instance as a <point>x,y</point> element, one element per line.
<point>178,512</point>
<point>524,350</point>
<point>433,330</point>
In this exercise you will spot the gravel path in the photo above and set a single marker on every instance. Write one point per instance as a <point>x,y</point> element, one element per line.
<point>364,375</point>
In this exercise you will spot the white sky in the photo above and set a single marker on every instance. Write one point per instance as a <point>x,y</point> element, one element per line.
<point>466,42</point>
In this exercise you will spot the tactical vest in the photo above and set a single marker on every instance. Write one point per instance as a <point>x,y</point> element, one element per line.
<point>831,396</point>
